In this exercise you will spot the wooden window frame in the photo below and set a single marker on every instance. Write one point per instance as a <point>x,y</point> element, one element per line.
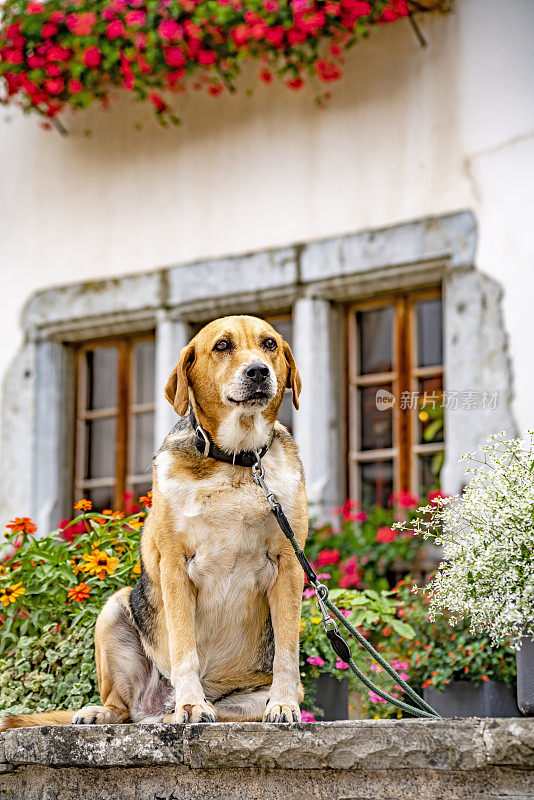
<point>122,412</point>
<point>403,377</point>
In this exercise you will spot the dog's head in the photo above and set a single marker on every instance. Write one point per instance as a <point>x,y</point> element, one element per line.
<point>234,363</point>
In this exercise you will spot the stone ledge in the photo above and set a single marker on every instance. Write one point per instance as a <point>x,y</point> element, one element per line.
<point>465,759</point>
<point>466,744</point>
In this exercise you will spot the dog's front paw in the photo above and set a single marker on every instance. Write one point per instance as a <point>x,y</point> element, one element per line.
<point>94,715</point>
<point>277,711</point>
<point>193,712</point>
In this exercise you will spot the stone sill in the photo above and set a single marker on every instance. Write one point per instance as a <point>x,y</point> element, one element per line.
<point>442,745</point>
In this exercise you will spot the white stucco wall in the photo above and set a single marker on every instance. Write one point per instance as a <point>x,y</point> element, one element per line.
<point>409,133</point>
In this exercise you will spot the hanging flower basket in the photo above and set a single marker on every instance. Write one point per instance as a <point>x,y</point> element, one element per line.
<point>60,54</point>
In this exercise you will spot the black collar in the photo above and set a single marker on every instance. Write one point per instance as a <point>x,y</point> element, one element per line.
<point>206,446</point>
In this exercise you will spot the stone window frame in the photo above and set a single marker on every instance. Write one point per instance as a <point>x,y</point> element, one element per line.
<point>315,280</point>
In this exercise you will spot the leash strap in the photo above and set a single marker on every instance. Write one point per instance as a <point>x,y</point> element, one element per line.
<point>324,604</point>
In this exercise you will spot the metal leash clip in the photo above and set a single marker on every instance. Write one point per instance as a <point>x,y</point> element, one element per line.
<point>321,592</point>
<point>258,474</point>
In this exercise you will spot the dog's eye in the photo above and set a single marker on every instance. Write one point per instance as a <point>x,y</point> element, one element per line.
<point>270,344</point>
<point>222,344</point>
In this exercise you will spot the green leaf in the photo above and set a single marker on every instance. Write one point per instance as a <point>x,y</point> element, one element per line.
<point>402,628</point>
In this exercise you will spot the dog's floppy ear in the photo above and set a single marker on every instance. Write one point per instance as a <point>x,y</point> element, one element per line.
<point>177,388</point>
<point>293,378</point>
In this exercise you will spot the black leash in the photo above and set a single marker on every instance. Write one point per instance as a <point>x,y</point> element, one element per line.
<point>338,643</point>
<point>249,458</point>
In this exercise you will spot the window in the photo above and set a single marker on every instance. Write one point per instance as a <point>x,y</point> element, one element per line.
<point>396,432</point>
<point>284,326</point>
<point>114,420</point>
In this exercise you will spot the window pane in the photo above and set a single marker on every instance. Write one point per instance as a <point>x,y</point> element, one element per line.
<point>431,413</point>
<point>103,497</point>
<point>141,443</point>
<point>102,363</point>
<point>375,334</point>
<point>376,482</point>
<point>143,372</point>
<point>100,441</point>
<point>430,465</point>
<point>429,333</point>
<point>376,417</point>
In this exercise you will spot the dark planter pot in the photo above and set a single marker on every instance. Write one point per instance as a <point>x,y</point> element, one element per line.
<point>525,676</point>
<point>465,699</point>
<point>332,696</point>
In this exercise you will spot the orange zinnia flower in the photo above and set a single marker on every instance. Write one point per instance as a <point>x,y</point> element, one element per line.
<point>137,569</point>
<point>10,593</point>
<point>83,505</point>
<point>99,563</point>
<point>22,524</point>
<point>79,593</point>
<point>146,500</point>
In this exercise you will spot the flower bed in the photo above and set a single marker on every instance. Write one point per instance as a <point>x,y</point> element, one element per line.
<point>59,54</point>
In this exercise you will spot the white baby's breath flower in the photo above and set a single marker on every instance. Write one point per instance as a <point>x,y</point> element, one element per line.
<point>487,534</point>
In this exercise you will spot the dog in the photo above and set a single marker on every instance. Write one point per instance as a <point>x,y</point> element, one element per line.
<point>211,629</point>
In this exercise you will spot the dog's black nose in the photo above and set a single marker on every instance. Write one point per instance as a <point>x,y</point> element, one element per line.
<point>257,373</point>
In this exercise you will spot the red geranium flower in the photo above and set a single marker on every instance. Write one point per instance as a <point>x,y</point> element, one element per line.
<point>385,535</point>
<point>115,29</point>
<point>158,102</point>
<point>327,557</point>
<point>92,57</point>
<point>170,30</point>
<point>404,499</point>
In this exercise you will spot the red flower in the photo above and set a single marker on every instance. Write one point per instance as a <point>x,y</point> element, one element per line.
<point>275,35</point>
<point>75,86</point>
<point>327,557</point>
<point>435,496</point>
<point>58,53</point>
<point>170,30</point>
<point>56,16</point>
<point>48,30</point>
<point>240,34</point>
<point>404,499</point>
<point>115,29</point>
<point>13,56</point>
<point>206,57</point>
<point>328,71</point>
<point>92,57</point>
<point>389,15</point>
<point>53,71</point>
<point>348,514</point>
<point>174,57</point>
<point>158,102</point>
<point>385,535</point>
<point>81,24</point>
<point>266,76</point>
<point>35,8</point>
<point>295,84</point>
<point>215,89</point>
<point>402,8</point>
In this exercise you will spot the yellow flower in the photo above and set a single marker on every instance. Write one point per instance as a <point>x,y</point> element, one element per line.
<point>302,625</point>
<point>99,563</point>
<point>10,593</point>
<point>136,524</point>
<point>316,619</point>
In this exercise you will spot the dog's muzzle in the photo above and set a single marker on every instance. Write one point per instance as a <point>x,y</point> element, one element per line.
<point>255,385</point>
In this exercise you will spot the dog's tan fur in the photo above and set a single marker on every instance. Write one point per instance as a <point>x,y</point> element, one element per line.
<point>220,583</point>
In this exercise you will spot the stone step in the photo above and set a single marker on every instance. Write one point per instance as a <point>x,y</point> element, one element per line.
<point>480,759</point>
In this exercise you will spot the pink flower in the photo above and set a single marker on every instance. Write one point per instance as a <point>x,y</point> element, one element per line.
<point>385,535</point>
<point>271,5</point>
<point>317,661</point>
<point>135,18</point>
<point>115,29</point>
<point>374,698</point>
<point>375,668</point>
<point>35,8</point>
<point>327,557</point>
<point>170,31</point>
<point>308,593</point>
<point>323,576</point>
<point>92,57</point>
<point>56,16</point>
<point>404,676</point>
<point>174,57</point>
<point>341,664</point>
<point>307,716</point>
